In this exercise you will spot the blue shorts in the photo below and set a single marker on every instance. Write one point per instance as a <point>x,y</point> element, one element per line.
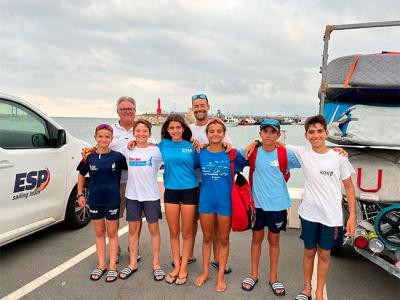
<point>99,212</point>
<point>216,206</point>
<point>318,235</point>
<point>276,221</point>
<point>151,209</point>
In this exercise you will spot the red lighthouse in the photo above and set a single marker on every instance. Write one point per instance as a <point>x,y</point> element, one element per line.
<point>159,111</point>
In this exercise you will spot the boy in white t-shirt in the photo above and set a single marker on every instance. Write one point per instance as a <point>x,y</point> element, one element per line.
<point>143,196</point>
<point>320,210</point>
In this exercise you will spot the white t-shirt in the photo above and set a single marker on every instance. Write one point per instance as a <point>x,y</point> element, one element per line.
<point>323,174</point>
<point>121,138</point>
<point>143,165</point>
<point>199,133</point>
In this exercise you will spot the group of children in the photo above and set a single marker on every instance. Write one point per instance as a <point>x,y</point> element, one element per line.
<point>320,211</point>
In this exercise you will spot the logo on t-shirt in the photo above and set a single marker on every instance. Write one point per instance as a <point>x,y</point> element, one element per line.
<point>140,163</point>
<point>187,150</point>
<point>324,172</point>
<point>113,166</point>
<point>93,168</point>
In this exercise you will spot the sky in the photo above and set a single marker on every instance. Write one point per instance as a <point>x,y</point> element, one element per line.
<point>76,58</point>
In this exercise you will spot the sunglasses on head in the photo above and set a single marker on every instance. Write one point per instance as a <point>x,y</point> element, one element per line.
<point>104,126</point>
<point>199,96</point>
<point>215,120</point>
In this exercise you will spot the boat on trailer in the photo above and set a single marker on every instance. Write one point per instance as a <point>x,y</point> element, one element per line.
<point>360,98</point>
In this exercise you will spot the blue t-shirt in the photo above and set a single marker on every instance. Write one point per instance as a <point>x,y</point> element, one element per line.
<point>179,164</point>
<point>105,176</point>
<point>269,187</point>
<point>217,176</point>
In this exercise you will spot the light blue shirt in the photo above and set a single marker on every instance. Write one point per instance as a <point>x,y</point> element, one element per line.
<point>269,187</point>
<point>179,164</point>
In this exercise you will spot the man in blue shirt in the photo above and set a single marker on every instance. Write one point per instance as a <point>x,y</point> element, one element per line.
<point>271,198</point>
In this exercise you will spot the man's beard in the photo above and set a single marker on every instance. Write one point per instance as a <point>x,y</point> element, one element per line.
<point>204,114</point>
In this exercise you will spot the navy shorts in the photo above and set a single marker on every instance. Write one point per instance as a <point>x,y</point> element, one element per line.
<point>318,235</point>
<point>276,221</point>
<point>151,210</point>
<point>111,213</point>
<point>185,196</point>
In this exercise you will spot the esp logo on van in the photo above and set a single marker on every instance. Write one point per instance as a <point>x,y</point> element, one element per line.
<point>33,180</point>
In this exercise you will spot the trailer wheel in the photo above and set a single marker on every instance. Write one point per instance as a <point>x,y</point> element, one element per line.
<point>76,216</point>
<point>387,226</point>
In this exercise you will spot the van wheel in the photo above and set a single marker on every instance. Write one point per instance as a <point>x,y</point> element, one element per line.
<point>76,216</point>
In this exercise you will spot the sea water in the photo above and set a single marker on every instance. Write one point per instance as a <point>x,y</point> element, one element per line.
<point>241,136</point>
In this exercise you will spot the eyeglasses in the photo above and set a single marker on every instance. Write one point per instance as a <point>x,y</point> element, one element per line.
<point>127,109</point>
<point>199,96</point>
<point>104,126</point>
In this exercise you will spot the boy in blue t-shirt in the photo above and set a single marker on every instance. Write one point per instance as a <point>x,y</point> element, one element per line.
<point>104,167</point>
<point>271,198</point>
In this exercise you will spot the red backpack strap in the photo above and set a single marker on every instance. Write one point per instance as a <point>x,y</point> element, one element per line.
<point>283,162</point>
<point>232,157</point>
<point>252,164</point>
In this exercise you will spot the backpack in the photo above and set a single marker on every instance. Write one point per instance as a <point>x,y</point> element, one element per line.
<point>282,161</point>
<point>243,208</point>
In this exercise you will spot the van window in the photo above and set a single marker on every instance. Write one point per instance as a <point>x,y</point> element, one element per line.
<point>21,128</point>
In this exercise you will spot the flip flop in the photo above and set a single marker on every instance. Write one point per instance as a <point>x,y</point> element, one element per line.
<point>97,272</point>
<point>302,296</point>
<point>173,277</point>
<point>215,265</point>
<point>182,278</point>
<point>113,274</point>
<point>190,261</point>
<point>277,286</point>
<point>158,273</point>
<point>127,272</point>
<point>251,282</point>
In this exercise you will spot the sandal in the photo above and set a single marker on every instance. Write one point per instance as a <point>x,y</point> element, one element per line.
<point>251,282</point>
<point>97,272</point>
<point>127,272</point>
<point>215,265</point>
<point>181,278</point>
<point>158,274</point>
<point>112,275</point>
<point>277,286</point>
<point>302,296</point>
<point>190,261</point>
<point>173,277</point>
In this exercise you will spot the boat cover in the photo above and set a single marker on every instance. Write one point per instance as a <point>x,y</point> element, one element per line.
<point>377,174</point>
<point>364,78</point>
<point>364,124</point>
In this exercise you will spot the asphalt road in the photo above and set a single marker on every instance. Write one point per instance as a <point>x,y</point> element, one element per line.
<point>351,276</point>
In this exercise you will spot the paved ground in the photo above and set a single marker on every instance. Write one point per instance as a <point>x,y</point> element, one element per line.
<point>351,276</point>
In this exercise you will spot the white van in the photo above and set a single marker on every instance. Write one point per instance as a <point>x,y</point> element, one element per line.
<point>38,179</point>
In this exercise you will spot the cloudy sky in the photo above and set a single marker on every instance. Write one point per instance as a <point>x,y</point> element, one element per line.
<point>75,58</point>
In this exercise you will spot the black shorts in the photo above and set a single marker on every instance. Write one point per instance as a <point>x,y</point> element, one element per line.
<point>186,196</point>
<point>111,213</point>
<point>151,209</point>
<point>274,220</point>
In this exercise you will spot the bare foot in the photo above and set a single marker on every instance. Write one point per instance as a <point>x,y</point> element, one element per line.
<point>202,279</point>
<point>221,286</point>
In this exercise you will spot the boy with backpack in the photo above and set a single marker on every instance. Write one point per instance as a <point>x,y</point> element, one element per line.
<point>269,171</point>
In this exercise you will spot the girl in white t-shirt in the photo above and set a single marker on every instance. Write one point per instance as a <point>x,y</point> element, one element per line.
<point>143,196</point>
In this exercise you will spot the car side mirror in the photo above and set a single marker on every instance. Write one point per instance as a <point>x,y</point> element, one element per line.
<point>40,140</point>
<point>61,137</point>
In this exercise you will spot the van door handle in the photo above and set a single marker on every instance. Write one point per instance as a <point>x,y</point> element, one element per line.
<point>6,164</point>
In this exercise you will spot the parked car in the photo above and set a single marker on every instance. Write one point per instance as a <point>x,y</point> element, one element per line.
<point>38,179</point>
